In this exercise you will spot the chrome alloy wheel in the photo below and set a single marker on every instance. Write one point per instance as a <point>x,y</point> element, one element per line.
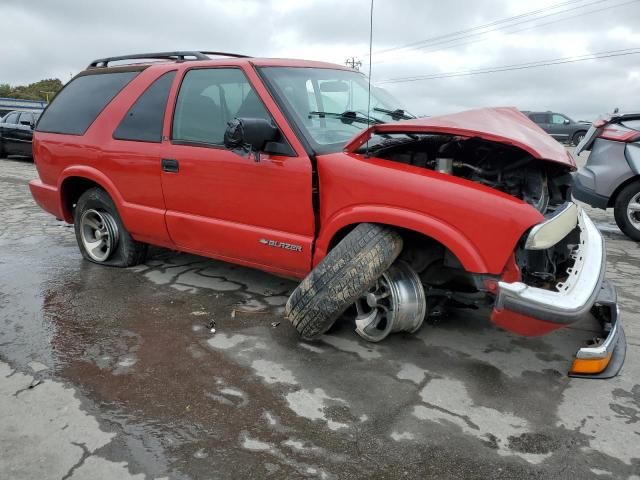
<point>395,303</point>
<point>99,233</point>
<point>633,211</point>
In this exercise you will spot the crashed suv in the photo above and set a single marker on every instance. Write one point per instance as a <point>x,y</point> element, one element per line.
<point>294,168</point>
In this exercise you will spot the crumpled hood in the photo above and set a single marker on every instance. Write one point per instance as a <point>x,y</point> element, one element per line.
<point>499,124</point>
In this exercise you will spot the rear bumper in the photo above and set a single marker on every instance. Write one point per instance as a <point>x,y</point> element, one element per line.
<point>47,197</point>
<point>572,299</point>
<point>586,194</point>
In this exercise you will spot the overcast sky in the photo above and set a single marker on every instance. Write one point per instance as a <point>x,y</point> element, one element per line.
<point>45,38</point>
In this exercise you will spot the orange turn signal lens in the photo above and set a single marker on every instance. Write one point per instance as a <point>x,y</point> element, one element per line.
<point>590,365</point>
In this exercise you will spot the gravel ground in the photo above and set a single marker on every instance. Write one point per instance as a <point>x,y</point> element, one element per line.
<point>110,373</point>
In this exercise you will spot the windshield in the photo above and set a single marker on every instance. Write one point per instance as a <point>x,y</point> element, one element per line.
<point>330,105</point>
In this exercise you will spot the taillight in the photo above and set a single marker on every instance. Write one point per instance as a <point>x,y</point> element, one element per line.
<point>619,133</point>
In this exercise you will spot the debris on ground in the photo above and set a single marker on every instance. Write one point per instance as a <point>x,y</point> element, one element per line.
<point>212,326</point>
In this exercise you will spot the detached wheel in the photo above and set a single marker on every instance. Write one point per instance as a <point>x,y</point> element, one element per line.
<point>627,211</point>
<point>341,278</point>
<point>100,232</point>
<point>395,303</point>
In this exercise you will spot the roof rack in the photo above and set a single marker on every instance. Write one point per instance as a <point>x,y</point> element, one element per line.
<point>178,56</point>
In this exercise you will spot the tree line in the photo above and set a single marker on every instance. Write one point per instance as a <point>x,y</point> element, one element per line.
<point>42,90</point>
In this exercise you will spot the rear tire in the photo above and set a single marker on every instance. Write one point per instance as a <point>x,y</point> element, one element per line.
<point>627,210</point>
<point>341,277</point>
<point>100,232</point>
<point>577,137</point>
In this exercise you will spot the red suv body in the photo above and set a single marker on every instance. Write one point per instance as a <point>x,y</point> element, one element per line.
<point>488,186</point>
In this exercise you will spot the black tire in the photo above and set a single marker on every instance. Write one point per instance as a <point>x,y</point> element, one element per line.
<point>577,137</point>
<point>341,277</point>
<point>623,199</point>
<point>125,251</point>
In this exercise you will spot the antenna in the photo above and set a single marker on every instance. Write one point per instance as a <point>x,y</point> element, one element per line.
<point>369,93</point>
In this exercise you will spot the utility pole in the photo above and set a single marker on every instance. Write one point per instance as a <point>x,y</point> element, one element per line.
<point>47,94</point>
<point>353,63</point>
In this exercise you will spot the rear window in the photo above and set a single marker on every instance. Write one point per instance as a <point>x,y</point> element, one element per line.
<point>79,103</point>
<point>632,124</point>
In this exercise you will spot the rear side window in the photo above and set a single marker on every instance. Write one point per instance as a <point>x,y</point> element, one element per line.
<point>78,104</point>
<point>143,122</point>
<point>26,118</point>
<point>539,117</point>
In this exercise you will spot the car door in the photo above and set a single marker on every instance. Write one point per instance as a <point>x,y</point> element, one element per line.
<point>559,127</point>
<point>222,203</point>
<point>9,128</point>
<point>24,133</point>
<point>2,119</point>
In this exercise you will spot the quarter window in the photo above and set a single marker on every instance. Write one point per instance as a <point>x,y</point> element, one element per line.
<point>208,99</point>
<point>143,122</point>
<point>79,103</point>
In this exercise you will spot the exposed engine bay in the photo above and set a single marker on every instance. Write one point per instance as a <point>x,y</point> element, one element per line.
<point>509,169</point>
<point>544,185</point>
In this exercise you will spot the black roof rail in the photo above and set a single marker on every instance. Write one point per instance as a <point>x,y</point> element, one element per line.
<point>178,56</point>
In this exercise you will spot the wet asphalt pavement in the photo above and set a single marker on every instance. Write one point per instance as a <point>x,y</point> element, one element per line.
<point>111,373</point>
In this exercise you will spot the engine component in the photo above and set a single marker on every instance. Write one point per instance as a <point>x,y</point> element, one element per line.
<point>505,168</point>
<point>396,303</point>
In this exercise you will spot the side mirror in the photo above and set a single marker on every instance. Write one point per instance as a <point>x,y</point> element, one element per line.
<point>250,135</point>
<point>567,122</point>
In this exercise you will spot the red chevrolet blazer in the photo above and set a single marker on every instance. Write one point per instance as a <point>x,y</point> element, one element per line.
<point>299,169</point>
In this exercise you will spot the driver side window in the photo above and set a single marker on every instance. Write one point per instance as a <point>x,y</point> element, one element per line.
<point>557,119</point>
<point>208,99</point>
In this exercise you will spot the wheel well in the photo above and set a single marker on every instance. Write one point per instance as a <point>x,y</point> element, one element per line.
<point>416,244</point>
<point>71,190</point>
<point>614,195</point>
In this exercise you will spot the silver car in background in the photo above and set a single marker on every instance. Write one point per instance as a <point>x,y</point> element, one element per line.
<point>611,176</point>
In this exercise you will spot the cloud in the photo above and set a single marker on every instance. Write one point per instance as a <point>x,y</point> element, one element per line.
<point>58,39</point>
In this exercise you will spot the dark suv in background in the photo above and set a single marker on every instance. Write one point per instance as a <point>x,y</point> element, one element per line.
<point>16,132</point>
<point>559,126</point>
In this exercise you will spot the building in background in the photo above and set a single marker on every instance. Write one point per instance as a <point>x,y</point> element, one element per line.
<point>9,104</point>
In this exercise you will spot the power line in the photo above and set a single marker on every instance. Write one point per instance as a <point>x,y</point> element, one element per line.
<point>518,66</point>
<point>529,27</point>
<point>480,27</point>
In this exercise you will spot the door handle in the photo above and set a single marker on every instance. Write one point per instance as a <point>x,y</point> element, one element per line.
<point>170,165</point>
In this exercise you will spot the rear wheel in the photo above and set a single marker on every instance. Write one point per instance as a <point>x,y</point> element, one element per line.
<point>578,136</point>
<point>100,232</point>
<point>627,210</point>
